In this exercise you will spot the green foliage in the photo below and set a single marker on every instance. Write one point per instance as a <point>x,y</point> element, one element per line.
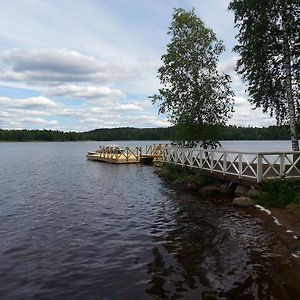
<point>269,54</point>
<point>129,133</point>
<point>279,193</point>
<point>172,172</point>
<point>194,94</point>
<point>166,134</point>
<point>114,134</point>
<point>181,175</point>
<point>189,134</point>
<point>103,134</point>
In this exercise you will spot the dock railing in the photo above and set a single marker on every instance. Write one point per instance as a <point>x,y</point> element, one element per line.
<point>154,150</point>
<point>120,154</point>
<point>254,166</point>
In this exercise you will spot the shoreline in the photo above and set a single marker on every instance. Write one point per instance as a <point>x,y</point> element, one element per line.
<point>284,224</point>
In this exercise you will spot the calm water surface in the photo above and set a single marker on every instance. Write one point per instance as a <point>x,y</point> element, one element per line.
<point>76,229</point>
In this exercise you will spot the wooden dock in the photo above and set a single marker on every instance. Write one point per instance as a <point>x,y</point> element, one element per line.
<point>248,167</point>
<point>127,155</point>
<point>244,167</point>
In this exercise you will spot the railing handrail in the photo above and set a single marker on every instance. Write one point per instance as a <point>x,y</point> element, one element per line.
<point>259,166</point>
<point>233,152</point>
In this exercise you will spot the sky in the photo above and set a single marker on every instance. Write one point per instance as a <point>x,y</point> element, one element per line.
<point>85,64</point>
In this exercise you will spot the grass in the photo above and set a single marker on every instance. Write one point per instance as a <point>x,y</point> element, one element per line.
<point>279,193</point>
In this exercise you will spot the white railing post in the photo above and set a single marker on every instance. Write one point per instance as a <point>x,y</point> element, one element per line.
<point>176,157</point>
<point>240,164</point>
<point>224,163</point>
<point>282,164</point>
<point>201,159</point>
<point>259,167</point>
<point>191,159</point>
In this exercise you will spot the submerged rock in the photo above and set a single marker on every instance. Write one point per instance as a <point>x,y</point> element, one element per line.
<point>243,201</point>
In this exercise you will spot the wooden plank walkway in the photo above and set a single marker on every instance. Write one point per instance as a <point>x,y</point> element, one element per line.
<point>249,167</point>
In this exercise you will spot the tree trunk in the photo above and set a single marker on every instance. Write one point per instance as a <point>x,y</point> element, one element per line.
<point>288,82</point>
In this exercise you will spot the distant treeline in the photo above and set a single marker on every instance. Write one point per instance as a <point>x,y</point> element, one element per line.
<point>103,134</point>
<point>129,133</point>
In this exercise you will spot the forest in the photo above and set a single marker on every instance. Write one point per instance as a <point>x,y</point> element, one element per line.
<point>143,134</point>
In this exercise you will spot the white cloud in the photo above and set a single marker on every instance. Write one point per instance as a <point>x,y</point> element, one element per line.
<point>52,61</point>
<point>245,115</point>
<point>54,66</point>
<point>127,107</point>
<point>105,55</point>
<point>27,122</point>
<point>40,122</point>
<point>85,92</point>
<point>51,66</point>
<point>241,101</point>
<point>42,112</point>
<point>32,102</point>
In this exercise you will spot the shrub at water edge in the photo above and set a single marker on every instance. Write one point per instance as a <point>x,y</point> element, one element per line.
<point>279,193</point>
<point>183,175</point>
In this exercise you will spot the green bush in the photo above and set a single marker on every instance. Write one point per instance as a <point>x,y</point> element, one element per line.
<point>278,193</point>
<point>181,175</point>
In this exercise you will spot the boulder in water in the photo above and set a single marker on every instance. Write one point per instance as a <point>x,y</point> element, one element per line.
<point>243,201</point>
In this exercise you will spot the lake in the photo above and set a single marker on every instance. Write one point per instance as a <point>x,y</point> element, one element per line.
<point>77,229</point>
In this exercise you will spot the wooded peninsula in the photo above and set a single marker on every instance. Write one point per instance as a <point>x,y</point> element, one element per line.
<point>130,133</point>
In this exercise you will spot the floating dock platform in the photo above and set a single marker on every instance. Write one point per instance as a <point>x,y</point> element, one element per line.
<point>127,155</point>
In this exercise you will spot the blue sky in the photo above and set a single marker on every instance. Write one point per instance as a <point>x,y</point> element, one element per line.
<point>85,64</point>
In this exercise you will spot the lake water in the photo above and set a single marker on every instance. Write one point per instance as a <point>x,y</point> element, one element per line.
<point>77,229</point>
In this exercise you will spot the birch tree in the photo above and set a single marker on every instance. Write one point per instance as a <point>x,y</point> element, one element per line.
<point>269,48</point>
<point>194,94</point>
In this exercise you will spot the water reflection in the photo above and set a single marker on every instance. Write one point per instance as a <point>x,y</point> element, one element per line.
<point>75,229</point>
<point>214,252</point>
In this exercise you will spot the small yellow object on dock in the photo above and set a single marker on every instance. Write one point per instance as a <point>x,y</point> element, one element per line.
<point>127,155</point>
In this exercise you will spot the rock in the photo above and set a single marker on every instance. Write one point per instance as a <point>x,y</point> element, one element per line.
<point>252,193</point>
<point>190,185</point>
<point>241,190</point>
<point>243,201</point>
<point>211,189</point>
<point>225,188</point>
